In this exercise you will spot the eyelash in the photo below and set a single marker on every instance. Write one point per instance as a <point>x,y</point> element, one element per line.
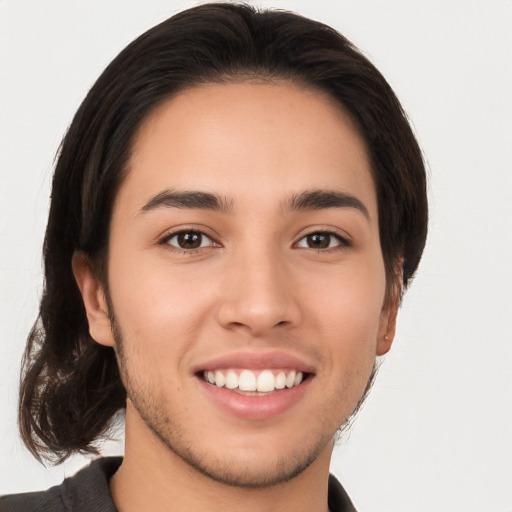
<point>342,242</point>
<point>166,241</point>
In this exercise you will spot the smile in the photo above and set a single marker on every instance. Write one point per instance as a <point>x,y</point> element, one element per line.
<point>263,381</point>
<point>255,386</point>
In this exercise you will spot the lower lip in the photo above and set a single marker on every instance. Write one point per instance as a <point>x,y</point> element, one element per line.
<point>252,407</point>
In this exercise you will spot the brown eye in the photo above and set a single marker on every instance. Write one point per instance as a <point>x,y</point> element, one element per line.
<point>189,240</point>
<point>318,241</point>
<point>321,240</point>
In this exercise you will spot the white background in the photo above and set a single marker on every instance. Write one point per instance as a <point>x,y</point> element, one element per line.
<point>436,432</point>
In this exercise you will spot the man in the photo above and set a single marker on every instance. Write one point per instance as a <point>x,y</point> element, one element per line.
<point>236,209</point>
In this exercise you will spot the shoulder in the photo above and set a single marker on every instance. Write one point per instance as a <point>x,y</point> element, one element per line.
<point>339,500</point>
<point>42,501</point>
<point>87,490</point>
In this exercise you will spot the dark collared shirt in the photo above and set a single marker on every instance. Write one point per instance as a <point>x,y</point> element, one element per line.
<point>88,491</point>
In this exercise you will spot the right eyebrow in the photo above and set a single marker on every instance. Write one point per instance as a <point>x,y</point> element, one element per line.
<point>188,199</point>
<point>323,199</point>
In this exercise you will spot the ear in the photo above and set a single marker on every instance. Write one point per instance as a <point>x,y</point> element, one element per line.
<point>387,327</point>
<point>94,300</point>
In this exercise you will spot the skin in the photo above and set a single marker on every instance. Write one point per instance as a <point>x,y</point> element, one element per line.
<point>255,285</point>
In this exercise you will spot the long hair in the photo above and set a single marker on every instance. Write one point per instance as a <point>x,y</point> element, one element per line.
<point>71,387</point>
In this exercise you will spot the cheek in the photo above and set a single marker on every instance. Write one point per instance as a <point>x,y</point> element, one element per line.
<point>349,314</point>
<point>158,309</point>
<point>347,308</point>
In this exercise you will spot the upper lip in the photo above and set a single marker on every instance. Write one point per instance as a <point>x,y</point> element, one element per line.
<point>256,361</point>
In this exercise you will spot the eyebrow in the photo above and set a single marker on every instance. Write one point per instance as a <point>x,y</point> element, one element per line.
<point>185,199</point>
<point>323,199</point>
<point>308,200</point>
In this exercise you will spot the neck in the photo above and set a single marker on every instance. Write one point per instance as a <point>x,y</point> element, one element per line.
<point>152,477</point>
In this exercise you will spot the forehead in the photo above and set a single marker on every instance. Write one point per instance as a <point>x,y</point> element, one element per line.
<point>248,141</point>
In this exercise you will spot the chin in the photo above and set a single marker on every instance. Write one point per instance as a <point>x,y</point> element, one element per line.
<point>250,470</point>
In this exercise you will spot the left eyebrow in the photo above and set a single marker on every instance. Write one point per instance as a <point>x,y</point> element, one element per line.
<point>320,199</point>
<point>188,200</point>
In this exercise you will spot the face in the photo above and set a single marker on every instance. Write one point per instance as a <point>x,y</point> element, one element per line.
<point>246,279</point>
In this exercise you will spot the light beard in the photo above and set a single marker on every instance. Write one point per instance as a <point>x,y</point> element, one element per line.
<point>346,426</point>
<point>227,471</point>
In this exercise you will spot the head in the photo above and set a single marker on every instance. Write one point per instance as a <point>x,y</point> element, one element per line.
<point>199,59</point>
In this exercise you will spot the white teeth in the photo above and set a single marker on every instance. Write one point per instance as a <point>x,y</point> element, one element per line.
<point>220,379</point>
<point>247,380</point>
<point>266,381</point>
<point>231,380</point>
<point>280,380</point>
<point>290,379</point>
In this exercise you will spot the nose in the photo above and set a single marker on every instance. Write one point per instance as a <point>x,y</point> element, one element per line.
<point>258,294</point>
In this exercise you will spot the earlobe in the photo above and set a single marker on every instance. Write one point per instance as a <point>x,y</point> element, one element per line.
<point>94,300</point>
<point>387,331</point>
<point>389,315</point>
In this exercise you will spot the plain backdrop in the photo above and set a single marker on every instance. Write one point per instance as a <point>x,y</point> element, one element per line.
<point>436,432</point>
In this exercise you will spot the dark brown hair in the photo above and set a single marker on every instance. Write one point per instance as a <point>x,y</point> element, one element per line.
<point>71,388</point>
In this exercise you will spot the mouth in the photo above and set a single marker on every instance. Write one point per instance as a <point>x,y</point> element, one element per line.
<point>251,382</point>
<point>255,385</point>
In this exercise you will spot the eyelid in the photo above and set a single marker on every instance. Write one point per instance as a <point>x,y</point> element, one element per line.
<point>164,239</point>
<point>344,238</point>
<point>340,243</point>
